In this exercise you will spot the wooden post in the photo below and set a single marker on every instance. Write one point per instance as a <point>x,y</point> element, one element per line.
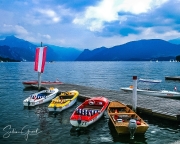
<point>134,96</point>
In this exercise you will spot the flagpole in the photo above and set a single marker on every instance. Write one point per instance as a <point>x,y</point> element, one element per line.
<point>39,77</point>
<point>39,81</point>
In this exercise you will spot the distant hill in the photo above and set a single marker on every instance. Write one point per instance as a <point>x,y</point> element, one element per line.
<point>17,49</point>
<point>142,50</point>
<point>66,54</point>
<point>21,50</point>
<point>7,60</point>
<point>175,41</point>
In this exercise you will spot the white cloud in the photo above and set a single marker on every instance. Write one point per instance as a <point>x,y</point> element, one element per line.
<point>150,33</point>
<point>13,29</point>
<point>46,36</point>
<point>43,36</point>
<point>39,16</point>
<point>147,33</point>
<point>50,14</point>
<point>107,11</point>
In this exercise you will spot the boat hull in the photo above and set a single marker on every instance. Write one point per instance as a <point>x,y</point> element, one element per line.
<point>89,112</point>
<point>69,98</point>
<point>86,123</point>
<point>35,83</point>
<point>162,93</point>
<point>125,130</point>
<point>47,96</point>
<point>59,109</point>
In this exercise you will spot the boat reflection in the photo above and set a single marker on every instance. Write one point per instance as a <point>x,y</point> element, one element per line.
<point>77,131</point>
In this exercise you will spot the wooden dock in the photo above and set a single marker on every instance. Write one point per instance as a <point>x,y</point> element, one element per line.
<point>165,108</point>
<point>172,78</point>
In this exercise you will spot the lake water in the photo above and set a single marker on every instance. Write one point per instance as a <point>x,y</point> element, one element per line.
<point>47,129</point>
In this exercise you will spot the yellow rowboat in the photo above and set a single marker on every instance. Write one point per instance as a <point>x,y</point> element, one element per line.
<point>125,120</point>
<point>63,101</point>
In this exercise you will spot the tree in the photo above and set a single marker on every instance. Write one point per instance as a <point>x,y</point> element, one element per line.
<point>178,58</point>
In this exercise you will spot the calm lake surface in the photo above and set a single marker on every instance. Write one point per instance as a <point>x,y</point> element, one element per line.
<point>20,125</point>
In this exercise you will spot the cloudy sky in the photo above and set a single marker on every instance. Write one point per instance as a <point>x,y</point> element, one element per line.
<point>89,23</point>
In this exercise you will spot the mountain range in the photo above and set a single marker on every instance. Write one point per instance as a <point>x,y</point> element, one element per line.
<point>143,50</point>
<point>21,50</point>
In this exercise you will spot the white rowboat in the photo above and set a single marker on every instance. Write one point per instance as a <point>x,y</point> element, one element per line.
<point>160,93</point>
<point>40,97</point>
<point>150,92</point>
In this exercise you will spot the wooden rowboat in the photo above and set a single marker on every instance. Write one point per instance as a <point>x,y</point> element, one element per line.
<point>125,120</point>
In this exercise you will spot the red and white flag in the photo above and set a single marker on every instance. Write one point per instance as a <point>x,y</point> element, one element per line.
<point>40,59</point>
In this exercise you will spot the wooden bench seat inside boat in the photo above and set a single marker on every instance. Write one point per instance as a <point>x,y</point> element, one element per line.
<point>66,97</point>
<point>123,113</point>
<point>93,107</point>
<point>124,122</point>
<point>117,109</point>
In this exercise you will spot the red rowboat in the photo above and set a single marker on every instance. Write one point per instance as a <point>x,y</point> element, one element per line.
<point>89,112</point>
<point>35,83</point>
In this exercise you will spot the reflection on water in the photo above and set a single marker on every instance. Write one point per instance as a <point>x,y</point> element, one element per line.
<point>42,113</point>
<point>74,131</point>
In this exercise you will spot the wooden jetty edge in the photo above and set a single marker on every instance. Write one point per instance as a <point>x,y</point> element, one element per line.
<point>165,108</point>
<point>172,78</point>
